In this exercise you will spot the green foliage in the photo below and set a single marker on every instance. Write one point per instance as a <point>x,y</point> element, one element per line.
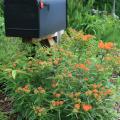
<point>1,25</point>
<point>104,26</point>
<point>3,116</point>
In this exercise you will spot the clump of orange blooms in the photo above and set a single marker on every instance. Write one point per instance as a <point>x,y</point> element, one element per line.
<point>87,37</point>
<point>39,90</point>
<point>25,89</point>
<point>86,107</point>
<point>57,103</point>
<point>106,46</point>
<point>82,66</point>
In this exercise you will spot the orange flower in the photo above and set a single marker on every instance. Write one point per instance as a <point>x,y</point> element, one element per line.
<point>77,66</point>
<point>86,79</point>
<point>96,95</point>
<point>26,88</point>
<point>95,91</point>
<point>77,106</point>
<point>86,107</point>
<point>56,62</point>
<point>87,37</point>
<point>57,95</point>
<point>57,103</point>
<point>39,90</point>
<point>101,44</point>
<point>108,92</point>
<point>109,45</point>
<point>70,75</point>
<point>61,102</point>
<point>39,110</point>
<point>82,66</point>
<point>94,86</point>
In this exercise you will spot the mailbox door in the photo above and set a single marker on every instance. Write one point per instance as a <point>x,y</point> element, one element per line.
<point>52,16</point>
<point>21,18</point>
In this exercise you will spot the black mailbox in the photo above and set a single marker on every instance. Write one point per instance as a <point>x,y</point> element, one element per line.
<point>34,18</point>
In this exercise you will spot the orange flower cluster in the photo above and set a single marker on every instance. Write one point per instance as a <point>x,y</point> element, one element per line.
<point>106,46</point>
<point>98,91</point>
<point>86,107</point>
<point>87,37</point>
<point>39,110</point>
<point>25,89</point>
<point>39,90</point>
<point>42,62</point>
<point>57,103</point>
<point>107,92</point>
<point>81,66</point>
<point>57,61</point>
<point>95,86</point>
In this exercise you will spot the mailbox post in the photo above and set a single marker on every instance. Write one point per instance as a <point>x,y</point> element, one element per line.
<point>34,18</point>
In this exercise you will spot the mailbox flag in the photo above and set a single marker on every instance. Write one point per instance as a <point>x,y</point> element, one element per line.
<point>41,4</point>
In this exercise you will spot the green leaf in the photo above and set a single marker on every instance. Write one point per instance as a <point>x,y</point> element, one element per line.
<point>14,73</point>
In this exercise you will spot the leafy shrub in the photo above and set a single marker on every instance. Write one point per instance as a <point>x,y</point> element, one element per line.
<point>71,81</point>
<point>105,27</point>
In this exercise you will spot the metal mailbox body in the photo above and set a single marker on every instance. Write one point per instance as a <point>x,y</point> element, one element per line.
<point>25,18</point>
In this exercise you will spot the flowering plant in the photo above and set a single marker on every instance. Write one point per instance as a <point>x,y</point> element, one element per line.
<point>71,81</point>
